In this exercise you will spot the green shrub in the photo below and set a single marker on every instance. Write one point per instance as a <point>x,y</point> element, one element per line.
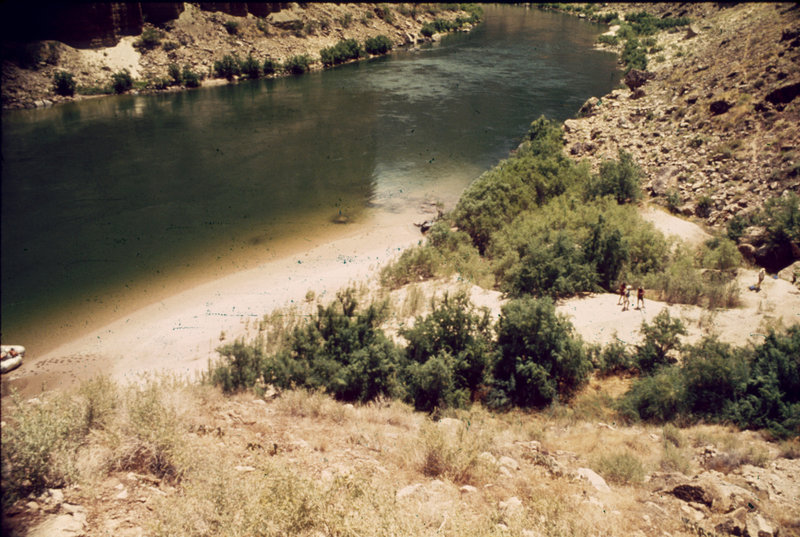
<point>660,397</point>
<point>643,23</point>
<point>384,12</point>
<point>121,81</point>
<point>457,338</point>
<point>720,254</point>
<point>607,17</point>
<point>340,350</point>
<point>175,73</point>
<point>270,66</point>
<point>539,357</point>
<point>537,173</point>
<point>619,178</point>
<point>150,39</point>
<point>378,45</point>
<point>612,40</point>
<point>344,50</point>
<point>297,65</point>
<point>615,358</point>
<point>170,45</point>
<point>633,55</point>
<point>415,264</point>
<point>660,339</point>
<point>190,78</point>
<point>427,30</point>
<point>771,397</point>
<point>714,375</point>
<point>64,84</point>
<point>250,67</point>
<point>227,67</point>
<point>231,26</point>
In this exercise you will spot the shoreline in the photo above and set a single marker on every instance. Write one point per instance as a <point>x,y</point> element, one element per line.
<point>180,332</point>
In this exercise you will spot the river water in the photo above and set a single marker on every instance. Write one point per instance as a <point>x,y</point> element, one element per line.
<point>114,203</point>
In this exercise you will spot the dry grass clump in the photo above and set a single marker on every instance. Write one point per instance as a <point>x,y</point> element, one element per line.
<point>621,468</point>
<point>452,450</point>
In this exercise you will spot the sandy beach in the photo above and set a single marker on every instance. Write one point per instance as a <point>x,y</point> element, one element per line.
<point>180,333</point>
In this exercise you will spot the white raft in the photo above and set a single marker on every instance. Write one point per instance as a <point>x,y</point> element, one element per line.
<point>11,360</point>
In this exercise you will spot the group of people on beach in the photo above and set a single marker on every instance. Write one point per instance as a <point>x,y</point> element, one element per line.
<point>625,297</point>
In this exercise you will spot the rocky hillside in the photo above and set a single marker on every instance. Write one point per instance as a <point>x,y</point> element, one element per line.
<point>713,121</point>
<point>200,35</point>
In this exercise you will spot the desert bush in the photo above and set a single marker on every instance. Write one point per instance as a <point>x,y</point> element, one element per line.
<point>615,358</point>
<point>340,350</point>
<point>674,460</point>
<point>672,435</point>
<point>427,30</point>
<point>659,397</point>
<point>64,84</point>
<point>297,65</point>
<point>644,23</point>
<point>270,66</point>
<point>714,374</point>
<point>455,338</point>
<point>660,339</point>
<point>453,455</point>
<point>620,178</point>
<point>612,40</point>
<point>174,72</point>
<point>250,67</point>
<point>771,398</point>
<point>633,55</point>
<point>384,12</point>
<point>170,45</point>
<point>231,26</point>
<point>344,50</point>
<point>378,45</point>
<point>150,39</point>
<point>621,468</point>
<point>121,81</point>
<point>151,438</point>
<point>540,359</point>
<point>227,67</point>
<point>415,264</point>
<point>39,446</point>
<point>190,78</point>
<point>537,173</point>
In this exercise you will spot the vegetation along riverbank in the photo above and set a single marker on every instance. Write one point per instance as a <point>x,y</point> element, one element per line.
<point>197,44</point>
<point>472,392</point>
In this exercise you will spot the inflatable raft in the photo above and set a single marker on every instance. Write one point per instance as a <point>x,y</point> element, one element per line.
<point>11,357</point>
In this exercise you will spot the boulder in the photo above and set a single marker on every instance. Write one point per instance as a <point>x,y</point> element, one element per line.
<point>595,480</point>
<point>719,106</point>
<point>589,108</point>
<point>783,94</point>
<point>695,493</point>
<point>638,93</point>
<point>790,273</point>
<point>691,32</point>
<point>758,527</point>
<point>636,78</point>
<point>748,251</point>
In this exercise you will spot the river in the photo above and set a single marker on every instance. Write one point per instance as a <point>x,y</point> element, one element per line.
<point>111,204</point>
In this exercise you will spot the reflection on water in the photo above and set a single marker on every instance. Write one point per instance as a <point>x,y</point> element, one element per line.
<point>103,194</point>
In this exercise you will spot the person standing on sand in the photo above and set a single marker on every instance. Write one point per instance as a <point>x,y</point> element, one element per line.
<point>761,274</point>
<point>640,298</point>
<point>626,298</point>
<point>621,293</point>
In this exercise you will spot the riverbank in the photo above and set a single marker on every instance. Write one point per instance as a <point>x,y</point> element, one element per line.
<point>198,38</point>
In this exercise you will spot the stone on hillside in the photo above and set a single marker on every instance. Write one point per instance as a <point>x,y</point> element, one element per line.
<point>784,94</point>
<point>758,527</point>
<point>638,93</point>
<point>408,491</point>
<point>58,526</point>
<point>581,148</point>
<point>748,251</point>
<point>509,463</point>
<point>589,108</point>
<point>636,78</point>
<point>719,106</point>
<point>693,493</point>
<point>487,458</point>
<point>691,31</point>
<point>789,273</point>
<point>468,489</point>
<point>511,506</point>
<point>594,479</point>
